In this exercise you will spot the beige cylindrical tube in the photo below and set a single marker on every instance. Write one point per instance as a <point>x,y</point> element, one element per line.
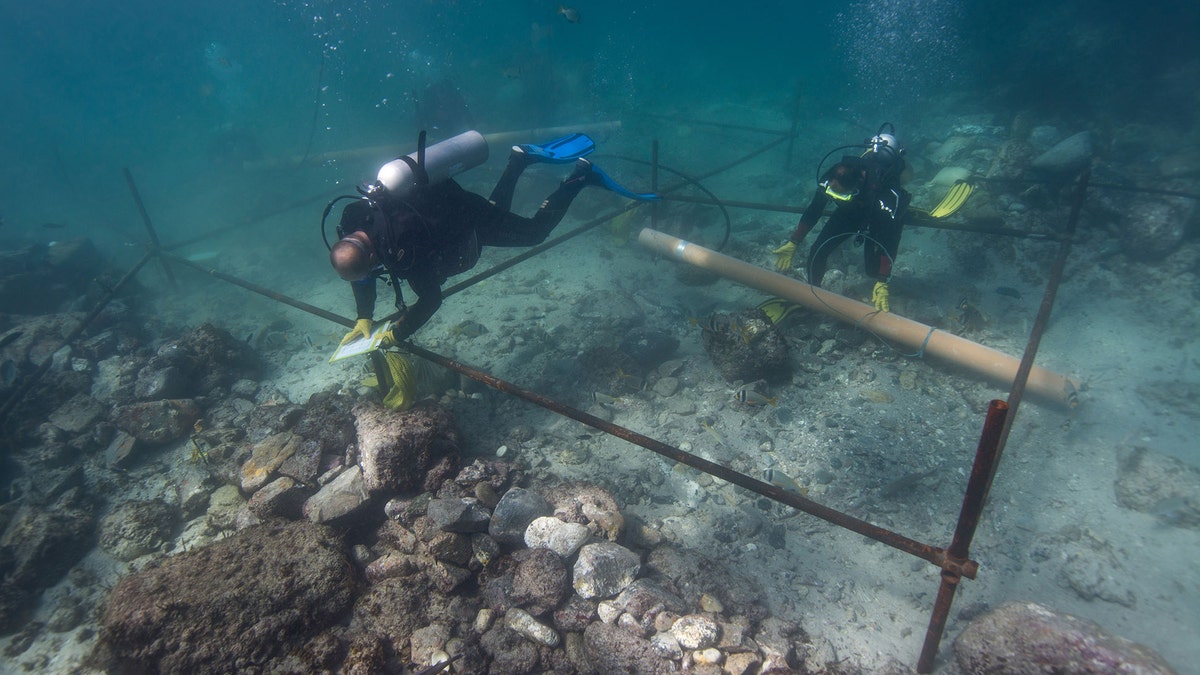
<point>990,363</point>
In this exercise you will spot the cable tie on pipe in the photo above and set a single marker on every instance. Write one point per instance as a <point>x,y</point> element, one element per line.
<point>921,351</point>
<point>680,248</point>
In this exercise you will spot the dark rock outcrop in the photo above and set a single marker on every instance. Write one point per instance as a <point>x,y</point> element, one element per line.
<point>231,606</point>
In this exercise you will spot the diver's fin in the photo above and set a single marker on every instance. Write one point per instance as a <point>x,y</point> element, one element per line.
<point>778,309</point>
<point>953,201</point>
<point>598,178</point>
<point>560,150</point>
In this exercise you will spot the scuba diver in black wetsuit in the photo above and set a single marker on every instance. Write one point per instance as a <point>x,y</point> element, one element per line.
<point>871,206</point>
<point>424,229</point>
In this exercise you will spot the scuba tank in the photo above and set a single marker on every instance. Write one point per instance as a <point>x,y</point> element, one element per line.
<point>426,166</point>
<point>434,164</point>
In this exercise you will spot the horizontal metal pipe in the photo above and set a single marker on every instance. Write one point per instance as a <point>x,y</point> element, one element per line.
<point>925,551</point>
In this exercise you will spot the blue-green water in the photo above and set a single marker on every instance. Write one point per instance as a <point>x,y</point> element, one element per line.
<point>191,96</point>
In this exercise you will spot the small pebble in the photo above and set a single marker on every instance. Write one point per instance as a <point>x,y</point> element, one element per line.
<point>502,451</point>
<point>712,655</point>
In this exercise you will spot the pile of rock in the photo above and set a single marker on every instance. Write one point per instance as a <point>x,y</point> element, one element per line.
<point>456,562</point>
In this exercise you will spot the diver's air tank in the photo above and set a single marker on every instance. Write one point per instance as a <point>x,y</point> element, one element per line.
<point>442,160</point>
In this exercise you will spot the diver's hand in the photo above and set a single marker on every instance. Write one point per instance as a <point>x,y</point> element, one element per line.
<point>388,338</point>
<point>880,297</point>
<point>784,255</point>
<point>362,328</point>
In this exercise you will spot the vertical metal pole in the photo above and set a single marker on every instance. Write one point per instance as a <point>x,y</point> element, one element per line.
<point>795,126</point>
<point>986,456</point>
<point>654,183</point>
<point>991,445</point>
<point>137,198</point>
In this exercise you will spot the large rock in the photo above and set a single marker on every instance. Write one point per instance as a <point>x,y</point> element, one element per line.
<point>1026,638</point>
<point>37,548</point>
<point>604,569</point>
<point>135,528</point>
<point>746,346</point>
<point>516,510</point>
<point>341,497</point>
<point>1069,155</point>
<point>229,607</point>
<point>611,649</point>
<point>267,456</point>
<point>157,422</point>
<point>1160,485</point>
<point>398,449</point>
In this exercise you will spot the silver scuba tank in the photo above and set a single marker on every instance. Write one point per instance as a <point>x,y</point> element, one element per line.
<point>442,160</point>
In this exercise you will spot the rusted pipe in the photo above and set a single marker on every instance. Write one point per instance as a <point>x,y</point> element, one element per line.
<point>261,290</point>
<point>150,231</point>
<point>925,340</point>
<point>986,454</point>
<point>930,553</point>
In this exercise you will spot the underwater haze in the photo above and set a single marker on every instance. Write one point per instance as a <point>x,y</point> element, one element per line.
<point>246,118</point>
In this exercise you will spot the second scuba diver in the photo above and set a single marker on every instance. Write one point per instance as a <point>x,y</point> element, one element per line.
<point>425,228</point>
<point>871,206</point>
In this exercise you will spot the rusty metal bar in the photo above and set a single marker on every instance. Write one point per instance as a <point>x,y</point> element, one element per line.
<point>150,231</point>
<point>44,366</point>
<point>996,430</point>
<point>932,554</point>
<point>250,220</point>
<point>968,519</point>
<point>263,291</point>
<point>715,125</point>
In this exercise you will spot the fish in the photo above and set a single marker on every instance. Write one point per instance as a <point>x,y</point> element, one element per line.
<point>713,432</point>
<point>1008,291</point>
<point>8,372</point>
<point>10,338</point>
<point>747,395</point>
<point>604,399</point>
<point>569,13</point>
<point>783,482</point>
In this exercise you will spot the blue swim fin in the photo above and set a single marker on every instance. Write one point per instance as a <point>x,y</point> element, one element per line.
<point>601,179</point>
<point>560,150</point>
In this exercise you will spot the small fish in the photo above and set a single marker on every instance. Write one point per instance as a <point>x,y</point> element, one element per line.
<point>8,372</point>
<point>781,481</point>
<point>1009,291</point>
<point>713,432</point>
<point>969,317</point>
<point>569,13</point>
<point>309,341</point>
<point>10,338</point>
<point>605,399</point>
<point>747,395</point>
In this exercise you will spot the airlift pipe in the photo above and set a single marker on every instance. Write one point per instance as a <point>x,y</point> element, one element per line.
<point>990,363</point>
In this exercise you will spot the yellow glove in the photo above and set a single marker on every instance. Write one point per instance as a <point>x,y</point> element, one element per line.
<point>362,328</point>
<point>783,256</point>
<point>388,339</point>
<point>880,297</point>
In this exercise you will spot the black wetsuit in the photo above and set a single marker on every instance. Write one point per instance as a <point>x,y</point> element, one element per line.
<point>878,212</point>
<point>437,231</point>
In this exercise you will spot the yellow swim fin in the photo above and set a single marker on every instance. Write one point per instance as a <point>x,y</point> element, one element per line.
<point>778,309</point>
<point>954,199</point>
